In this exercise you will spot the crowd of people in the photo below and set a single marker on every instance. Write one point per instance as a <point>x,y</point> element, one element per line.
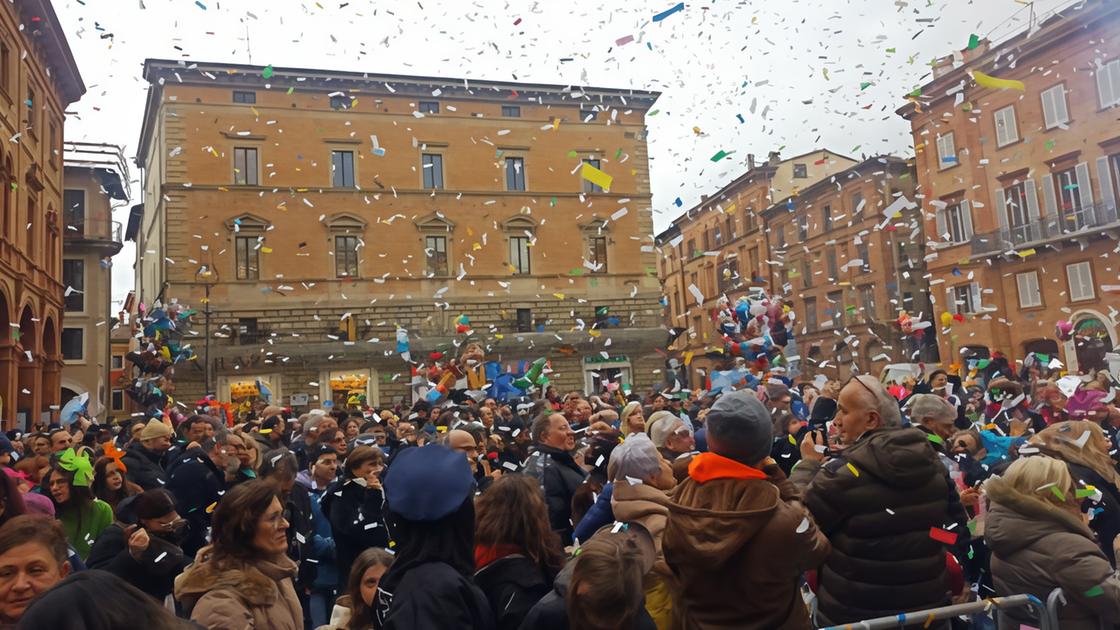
<point>774,505</point>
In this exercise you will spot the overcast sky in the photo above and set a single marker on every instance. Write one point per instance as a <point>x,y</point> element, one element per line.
<point>792,69</point>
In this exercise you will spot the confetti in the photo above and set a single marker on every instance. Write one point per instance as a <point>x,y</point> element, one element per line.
<point>595,176</point>
<point>943,536</point>
<point>993,83</point>
<point>666,13</point>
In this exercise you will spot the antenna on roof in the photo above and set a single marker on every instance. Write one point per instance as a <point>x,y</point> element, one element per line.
<point>248,44</point>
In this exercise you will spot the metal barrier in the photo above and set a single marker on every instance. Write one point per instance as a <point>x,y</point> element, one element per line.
<point>1056,599</point>
<point>925,617</point>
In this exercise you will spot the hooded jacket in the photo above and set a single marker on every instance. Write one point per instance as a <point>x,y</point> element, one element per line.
<point>144,467</point>
<point>1037,547</point>
<point>738,540</point>
<point>649,507</point>
<point>559,476</point>
<point>877,503</point>
<point>240,595</point>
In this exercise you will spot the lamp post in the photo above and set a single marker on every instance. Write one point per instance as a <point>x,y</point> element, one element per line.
<point>208,277</point>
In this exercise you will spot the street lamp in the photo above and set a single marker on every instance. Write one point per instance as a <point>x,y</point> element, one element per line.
<point>208,277</point>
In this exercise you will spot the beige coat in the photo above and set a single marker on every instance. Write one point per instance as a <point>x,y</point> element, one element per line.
<point>235,595</point>
<point>1037,547</point>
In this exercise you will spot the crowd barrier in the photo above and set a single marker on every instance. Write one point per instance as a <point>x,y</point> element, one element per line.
<point>1047,617</point>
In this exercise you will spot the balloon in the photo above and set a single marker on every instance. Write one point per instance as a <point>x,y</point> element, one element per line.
<point>1063,330</point>
<point>946,319</point>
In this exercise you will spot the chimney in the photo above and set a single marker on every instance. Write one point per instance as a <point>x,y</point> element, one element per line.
<point>774,158</point>
<point>750,160</point>
<point>703,197</point>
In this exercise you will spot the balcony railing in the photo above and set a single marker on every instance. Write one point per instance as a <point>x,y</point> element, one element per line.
<point>93,230</point>
<point>1048,228</point>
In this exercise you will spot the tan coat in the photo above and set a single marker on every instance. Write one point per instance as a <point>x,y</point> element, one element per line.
<point>235,595</point>
<point>1037,547</point>
<point>648,506</point>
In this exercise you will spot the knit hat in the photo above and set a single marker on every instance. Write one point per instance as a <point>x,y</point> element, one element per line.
<point>154,429</point>
<point>271,410</point>
<point>428,483</point>
<point>741,413</point>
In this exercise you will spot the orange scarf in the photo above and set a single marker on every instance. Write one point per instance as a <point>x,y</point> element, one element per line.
<point>708,466</point>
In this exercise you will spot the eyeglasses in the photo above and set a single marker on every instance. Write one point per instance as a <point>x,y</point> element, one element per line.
<point>862,384</point>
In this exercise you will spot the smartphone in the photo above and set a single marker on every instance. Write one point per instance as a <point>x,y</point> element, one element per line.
<point>823,435</point>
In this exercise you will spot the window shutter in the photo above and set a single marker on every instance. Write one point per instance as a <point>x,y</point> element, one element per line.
<point>1001,210</point>
<point>951,300</point>
<point>1032,198</point>
<point>1104,85</point>
<point>1104,177</point>
<point>1084,185</point>
<point>942,227</point>
<point>1048,119</point>
<point>1021,280</point>
<point>1049,196</point>
<point>966,220</point>
<point>974,289</point>
<point>1060,104</point>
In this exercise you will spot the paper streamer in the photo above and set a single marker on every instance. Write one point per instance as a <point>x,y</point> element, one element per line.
<point>984,80</point>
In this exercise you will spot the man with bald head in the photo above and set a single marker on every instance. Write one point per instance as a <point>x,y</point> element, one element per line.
<point>886,504</point>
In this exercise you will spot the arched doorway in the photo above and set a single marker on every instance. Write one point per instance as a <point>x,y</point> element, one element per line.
<point>1091,340</point>
<point>1043,349</point>
<point>52,366</point>
<point>7,361</point>
<point>29,391</point>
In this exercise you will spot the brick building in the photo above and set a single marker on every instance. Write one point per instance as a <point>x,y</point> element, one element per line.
<point>720,247</point>
<point>1019,189</point>
<point>38,79</point>
<point>96,177</point>
<point>307,214</point>
<point>849,269</point>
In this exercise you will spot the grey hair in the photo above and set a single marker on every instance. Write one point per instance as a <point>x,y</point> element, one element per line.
<point>890,416</point>
<point>636,457</point>
<point>922,406</point>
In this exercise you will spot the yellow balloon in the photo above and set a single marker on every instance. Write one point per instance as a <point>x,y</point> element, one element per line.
<point>946,320</point>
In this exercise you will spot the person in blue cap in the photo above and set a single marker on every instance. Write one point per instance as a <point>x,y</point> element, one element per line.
<point>429,502</point>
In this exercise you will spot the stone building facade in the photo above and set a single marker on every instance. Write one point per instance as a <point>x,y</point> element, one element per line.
<point>1019,188</point>
<point>38,80</point>
<point>308,215</point>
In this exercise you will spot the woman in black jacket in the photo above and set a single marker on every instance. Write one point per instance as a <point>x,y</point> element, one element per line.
<point>142,547</point>
<point>353,507</point>
<point>516,553</point>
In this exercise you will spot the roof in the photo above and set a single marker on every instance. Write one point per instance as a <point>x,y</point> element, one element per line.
<point>829,181</point>
<point>1051,29</point>
<point>106,161</point>
<point>252,76</point>
<point>46,28</point>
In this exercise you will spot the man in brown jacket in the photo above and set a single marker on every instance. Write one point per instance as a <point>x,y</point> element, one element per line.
<point>738,538</point>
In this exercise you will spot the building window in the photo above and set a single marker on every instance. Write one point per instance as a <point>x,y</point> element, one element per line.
<point>52,148</point>
<point>707,240</point>
<point>1007,131</point>
<point>524,320</point>
<point>340,101</point>
<point>717,236</point>
<point>1108,82</point>
<point>435,249</point>
<point>810,307</point>
<point>748,220</point>
<point>1029,295</point>
<point>807,273</point>
<point>245,166</point>
<point>728,275</point>
<point>864,254</point>
<point>245,97</point>
<point>803,229</point>
<point>428,107</point>
<point>116,362</point>
<point>857,203</point>
<point>588,187</point>
<point>73,344</point>
<point>691,253</point>
<point>432,164</point>
<point>511,111</point>
<point>729,228</point>
<point>966,298</point>
<point>345,256</point>
<point>836,306</point>
<point>588,114</point>
<point>958,222</point>
<point>780,237</point>
<point>1080,277</point>
<point>515,173</point>
<point>1068,190</point>
<point>867,301</point>
<point>597,253</point>
<point>117,400</point>
<point>519,255</point>
<point>247,330</point>
<point>342,169</point>
<point>826,217</point>
<point>946,151</point>
<point>32,106</point>
<point>800,171</point>
<point>248,258</point>
<point>5,68</point>
<point>830,260</point>
<point>1054,109</point>
<point>74,211</point>
<point>74,277</point>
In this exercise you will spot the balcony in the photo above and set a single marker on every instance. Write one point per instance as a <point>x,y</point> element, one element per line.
<point>1045,229</point>
<point>94,232</point>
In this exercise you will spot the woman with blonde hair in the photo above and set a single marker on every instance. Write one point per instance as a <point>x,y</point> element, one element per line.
<point>1039,542</point>
<point>1084,447</point>
<point>632,420</point>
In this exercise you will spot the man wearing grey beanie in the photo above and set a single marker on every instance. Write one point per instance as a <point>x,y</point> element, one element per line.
<point>738,537</point>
